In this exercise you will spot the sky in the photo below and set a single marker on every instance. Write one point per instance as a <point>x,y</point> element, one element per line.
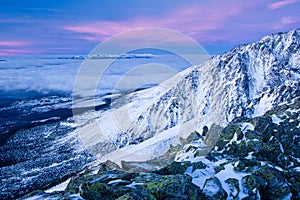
<point>77,26</point>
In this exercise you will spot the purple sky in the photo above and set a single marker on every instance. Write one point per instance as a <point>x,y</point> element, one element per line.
<point>77,26</point>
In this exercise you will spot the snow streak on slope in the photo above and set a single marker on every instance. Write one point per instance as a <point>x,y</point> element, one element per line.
<point>247,81</point>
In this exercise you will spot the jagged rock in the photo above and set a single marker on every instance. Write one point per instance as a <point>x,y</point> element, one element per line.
<point>108,165</point>
<point>173,186</point>
<point>213,189</point>
<point>251,186</point>
<point>179,168</point>
<point>276,186</point>
<point>38,194</point>
<point>234,187</point>
<point>118,184</point>
<point>294,182</point>
<point>136,196</point>
<point>267,183</point>
<point>265,158</point>
<point>270,150</point>
<point>247,165</point>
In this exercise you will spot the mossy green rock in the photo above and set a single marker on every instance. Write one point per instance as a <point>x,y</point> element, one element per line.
<point>213,189</point>
<point>118,184</point>
<point>233,187</point>
<point>277,186</point>
<point>179,168</point>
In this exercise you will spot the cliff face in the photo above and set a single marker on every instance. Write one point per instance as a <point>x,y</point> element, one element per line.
<point>259,76</point>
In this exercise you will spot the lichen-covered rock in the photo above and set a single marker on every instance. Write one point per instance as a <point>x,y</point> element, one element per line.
<point>136,196</point>
<point>213,189</point>
<point>264,155</point>
<point>247,165</point>
<point>252,184</point>
<point>179,168</point>
<point>118,184</point>
<point>294,182</point>
<point>172,186</point>
<point>267,183</point>
<point>277,185</point>
<point>234,188</point>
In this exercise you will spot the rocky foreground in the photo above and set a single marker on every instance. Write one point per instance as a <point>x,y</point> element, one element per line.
<point>256,158</point>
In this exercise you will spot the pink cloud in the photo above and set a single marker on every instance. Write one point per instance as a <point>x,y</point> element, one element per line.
<point>8,48</point>
<point>13,43</point>
<point>18,51</point>
<point>288,20</point>
<point>15,52</point>
<point>280,4</point>
<point>93,31</point>
<point>194,21</point>
<point>284,21</point>
<point>97,28</point>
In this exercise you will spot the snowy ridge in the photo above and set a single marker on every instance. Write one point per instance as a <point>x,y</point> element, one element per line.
<point>247,81</point>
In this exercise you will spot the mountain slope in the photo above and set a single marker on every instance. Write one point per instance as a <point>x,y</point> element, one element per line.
<point>247,81</point>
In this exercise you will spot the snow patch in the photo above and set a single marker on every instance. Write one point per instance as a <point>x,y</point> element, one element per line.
<point>133,184</point>
<point>265,104</point>
<point>297,169</point>
<point>60,187</point>
<point>276,120</point>
<point>229,172</point>
<point>36,197</point>
<point>246,126</point>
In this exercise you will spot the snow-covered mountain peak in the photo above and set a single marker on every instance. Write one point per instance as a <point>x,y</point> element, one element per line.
<point>261,67</point>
